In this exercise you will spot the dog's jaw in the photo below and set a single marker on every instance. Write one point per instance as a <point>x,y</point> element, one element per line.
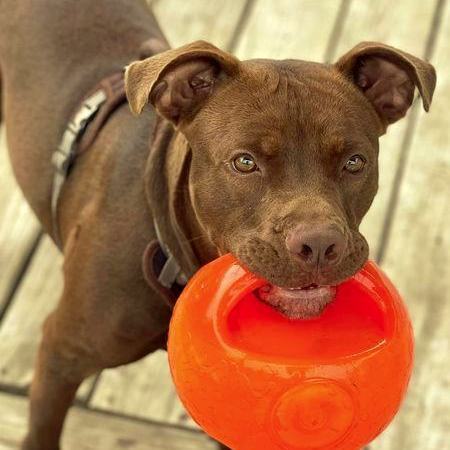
<point>301,303</point>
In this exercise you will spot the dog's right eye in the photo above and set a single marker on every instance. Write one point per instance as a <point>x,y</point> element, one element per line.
<point>244,163</point>
<point>355,164</point>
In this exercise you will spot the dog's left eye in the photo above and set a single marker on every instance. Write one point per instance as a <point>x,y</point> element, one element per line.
<point>355,164</point>
<point>244,163</point>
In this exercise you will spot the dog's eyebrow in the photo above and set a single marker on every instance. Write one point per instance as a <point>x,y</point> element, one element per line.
<point>346,145</point>
<point>337,144</point>
<point>268,152</point>
<point>269,145</point>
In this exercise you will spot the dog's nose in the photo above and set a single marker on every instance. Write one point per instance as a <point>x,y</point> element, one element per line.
<point>318,246</point>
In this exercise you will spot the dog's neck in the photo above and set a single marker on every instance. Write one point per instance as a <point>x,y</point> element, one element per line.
<point>167,191</point>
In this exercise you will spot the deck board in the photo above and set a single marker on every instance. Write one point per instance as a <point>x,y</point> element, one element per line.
<point>288,29</point>
<point>183,22</point>
<point>20,329</point>
<point>18,226</point>
<point>418,261</point>
<point>142,389</point>
<point>89,430</point>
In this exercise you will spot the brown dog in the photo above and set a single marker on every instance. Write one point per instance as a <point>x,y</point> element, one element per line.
<point>274,161</point>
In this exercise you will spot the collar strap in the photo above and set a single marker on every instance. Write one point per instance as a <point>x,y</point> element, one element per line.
<point>154,264</point>
<point>170,272</point>
<point>80,133</point>
<point>162,271</point>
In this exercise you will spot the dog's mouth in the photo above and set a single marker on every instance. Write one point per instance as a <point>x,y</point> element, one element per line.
<point>298,303</point>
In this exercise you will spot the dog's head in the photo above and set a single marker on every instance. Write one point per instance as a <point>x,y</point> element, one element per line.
<point>284,154</point>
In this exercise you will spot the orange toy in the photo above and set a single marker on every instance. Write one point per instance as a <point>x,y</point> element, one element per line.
<point>255,380</point>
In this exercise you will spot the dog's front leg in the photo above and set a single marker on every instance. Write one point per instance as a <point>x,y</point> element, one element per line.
<point>60,369</point>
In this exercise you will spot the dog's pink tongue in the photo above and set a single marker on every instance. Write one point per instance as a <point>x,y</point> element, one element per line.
<point>298,303</point>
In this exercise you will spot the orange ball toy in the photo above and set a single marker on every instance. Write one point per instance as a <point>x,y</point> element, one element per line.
<point>256,380</point>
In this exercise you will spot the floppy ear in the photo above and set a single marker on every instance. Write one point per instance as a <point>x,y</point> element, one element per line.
<point>388,78</point>
<point>177,81</point>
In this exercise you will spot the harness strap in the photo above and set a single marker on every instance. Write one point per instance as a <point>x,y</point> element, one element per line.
<point>160,267</point>
<point>80,133</point>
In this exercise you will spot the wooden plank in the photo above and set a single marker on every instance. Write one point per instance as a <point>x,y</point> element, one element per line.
<point>288,29</point>
<point>89,430</point>
<point>142,389</point>
<point>145,388</point>
<point>183,22</point>
<point>418,261</point>
<point>21,327</point>
<point>404,25</point>
<point>18,226</point>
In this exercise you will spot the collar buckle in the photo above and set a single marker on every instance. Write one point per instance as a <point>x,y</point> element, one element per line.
<point>171,272</point>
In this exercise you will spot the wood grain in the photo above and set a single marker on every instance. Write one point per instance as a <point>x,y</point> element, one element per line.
<point>18,226</point>
<point>288,29</point>
<point>20,330</point>
<point>418,261</point>
<point>143,389</point>
<point>406,26</point>
<point>183,21</point>
<point>89,430</point>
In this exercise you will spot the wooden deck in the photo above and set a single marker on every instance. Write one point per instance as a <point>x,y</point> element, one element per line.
<point>135,407</point>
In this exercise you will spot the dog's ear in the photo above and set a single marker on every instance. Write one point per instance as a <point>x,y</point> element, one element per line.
<point>388,78</point>
<point>177,81</point>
